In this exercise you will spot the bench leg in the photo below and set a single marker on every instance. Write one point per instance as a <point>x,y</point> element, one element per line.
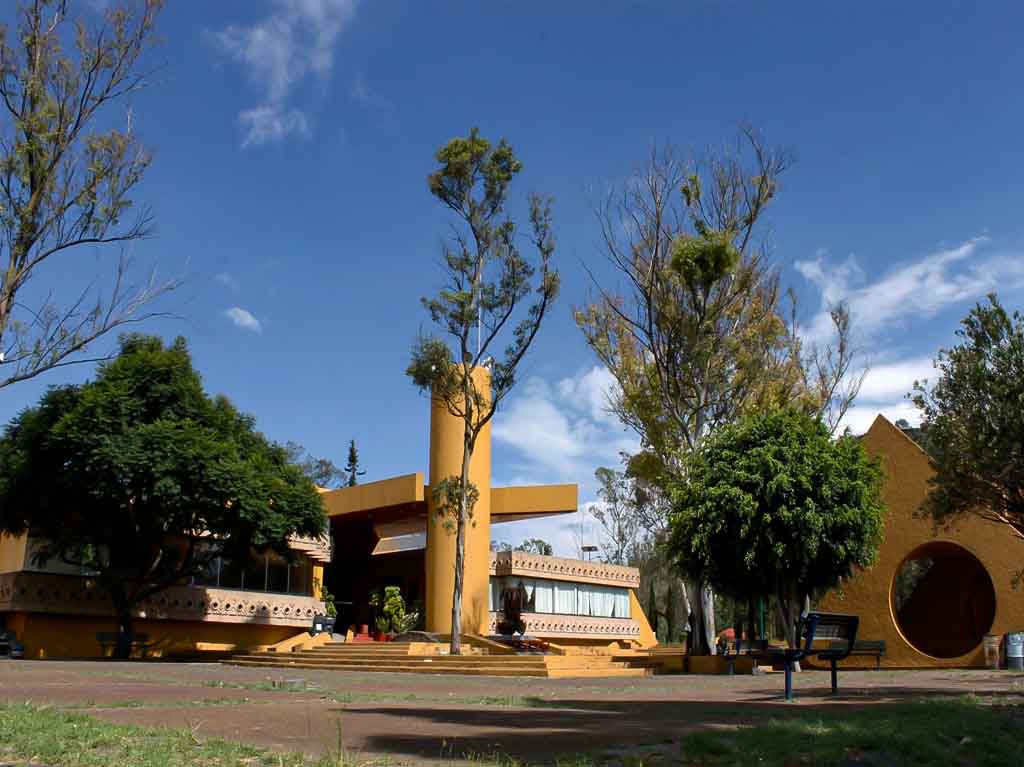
<point>835,685</point>
<point>878,662</point>
<point>789,679</point>
<point>731,670</point>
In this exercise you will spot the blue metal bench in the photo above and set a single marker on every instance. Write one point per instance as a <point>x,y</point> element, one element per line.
<point>840,631</point>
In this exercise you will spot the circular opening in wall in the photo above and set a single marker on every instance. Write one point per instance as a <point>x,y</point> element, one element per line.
<point>943,600</point>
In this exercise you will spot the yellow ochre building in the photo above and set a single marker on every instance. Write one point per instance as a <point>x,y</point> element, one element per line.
<point>381,534</point>
<point>964,576</point>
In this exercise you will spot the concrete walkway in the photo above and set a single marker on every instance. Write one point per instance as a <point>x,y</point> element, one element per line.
<point>410,718</point>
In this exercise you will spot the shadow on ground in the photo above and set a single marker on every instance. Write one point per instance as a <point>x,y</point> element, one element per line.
<point>589,727</point>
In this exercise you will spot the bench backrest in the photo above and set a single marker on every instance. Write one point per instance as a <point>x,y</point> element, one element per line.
<point>834,627</point>
<point>869,644</point>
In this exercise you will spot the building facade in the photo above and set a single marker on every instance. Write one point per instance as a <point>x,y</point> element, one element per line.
<point>385,533</point>
<point>935,591</point>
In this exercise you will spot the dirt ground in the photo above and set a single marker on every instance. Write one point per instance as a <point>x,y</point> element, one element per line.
<point>414,717</point>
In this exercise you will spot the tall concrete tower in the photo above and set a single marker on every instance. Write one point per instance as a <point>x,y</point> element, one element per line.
<point>446,442</point>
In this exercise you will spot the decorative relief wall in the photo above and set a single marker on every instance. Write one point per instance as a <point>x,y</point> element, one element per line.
<point>563,569</point>
<point>72,595</point>
<point>575,626</point>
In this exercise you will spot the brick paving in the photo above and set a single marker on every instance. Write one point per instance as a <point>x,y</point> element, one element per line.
<point>410,718</point>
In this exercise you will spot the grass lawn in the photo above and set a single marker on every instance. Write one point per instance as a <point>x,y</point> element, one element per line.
<point>960,731</point>
<point>956,731</point>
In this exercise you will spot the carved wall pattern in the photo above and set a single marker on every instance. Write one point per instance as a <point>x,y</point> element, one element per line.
<point>576,626</point>
<point>71,595</point>
<point>563,569</point>
<point>317,549</point>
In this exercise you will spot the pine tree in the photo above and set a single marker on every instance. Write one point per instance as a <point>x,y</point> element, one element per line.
<point>352,467</point>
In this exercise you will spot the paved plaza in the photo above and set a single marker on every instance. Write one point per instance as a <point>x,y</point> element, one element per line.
<point>408,718</point>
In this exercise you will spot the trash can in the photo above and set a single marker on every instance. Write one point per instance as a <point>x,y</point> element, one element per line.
<point>991,643</point>
<point>1015,651</point>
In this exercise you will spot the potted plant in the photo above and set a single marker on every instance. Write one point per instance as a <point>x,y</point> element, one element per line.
<point>392,617</point>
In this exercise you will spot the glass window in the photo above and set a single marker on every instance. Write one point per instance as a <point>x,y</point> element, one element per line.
<point>563,597</point>
<point>277,575</point>
<point>230,575</point>
<point>255,578</point>
<point>300,578</point>
<point>210,574</point>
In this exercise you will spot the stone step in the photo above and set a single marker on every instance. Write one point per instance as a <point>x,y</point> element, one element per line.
<point>411,669</point>
<point>388,664</point>
<point>427,668</point>
<point>555,661</point>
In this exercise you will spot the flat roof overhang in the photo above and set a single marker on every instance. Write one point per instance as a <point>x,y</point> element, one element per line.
<point>398,507</point>
<point>397,498</point>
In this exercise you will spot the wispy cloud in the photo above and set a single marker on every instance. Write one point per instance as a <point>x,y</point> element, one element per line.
<point>227,280</point>
<point>295,41</point>
<point>365,95</point>
<point>884,306</point>
<point>244,319</point>
<point>885,391</point>
<point>562,432</point>
<point>911,290</point>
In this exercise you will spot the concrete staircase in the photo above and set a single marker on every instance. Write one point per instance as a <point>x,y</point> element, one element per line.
<point>396,657</point>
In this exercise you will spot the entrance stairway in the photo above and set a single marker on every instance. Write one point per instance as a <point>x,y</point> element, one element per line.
<point>396,657</point>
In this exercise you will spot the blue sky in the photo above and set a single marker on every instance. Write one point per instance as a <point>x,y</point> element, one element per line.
<point>293,139</point>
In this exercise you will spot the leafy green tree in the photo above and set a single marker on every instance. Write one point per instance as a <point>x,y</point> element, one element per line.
<point>973,420</point>
<point>488,282</point>
<point>698,335</point>
<point>141,477</point>
<point>68,172</point>
<point>322,472</point>
<point>536,546</point>
<point>352,469</point>
<point>774,506</point>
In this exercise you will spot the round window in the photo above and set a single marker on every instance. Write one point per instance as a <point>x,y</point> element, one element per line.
<point>942,600</point>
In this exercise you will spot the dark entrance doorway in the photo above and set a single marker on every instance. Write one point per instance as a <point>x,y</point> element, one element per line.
<point>355,572</point>
<point>943,600</point>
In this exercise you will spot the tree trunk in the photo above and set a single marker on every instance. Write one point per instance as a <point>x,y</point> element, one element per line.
<point>455,646</point>
<point>702,618</point>
<point>123,647</point>
<point>788,606</point>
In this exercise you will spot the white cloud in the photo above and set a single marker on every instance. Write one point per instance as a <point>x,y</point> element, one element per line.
<point>296,40</point>
<point>227,280</point>
<point>885,383</point>
<point>860,417</point>
<point>244,319</point>
<point>914,289</point>
<point>268,123</point>
<point>562,432</point>
<point>885,391</point>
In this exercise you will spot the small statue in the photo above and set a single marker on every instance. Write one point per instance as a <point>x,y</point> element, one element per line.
<point>512,600</point>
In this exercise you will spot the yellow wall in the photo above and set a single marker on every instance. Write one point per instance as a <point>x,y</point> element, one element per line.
<point>647,636</point>
<point>318,581</point>
<point>66,636</point>
<point>867,594</point>
<point>12,552</point>
<point>446,442</point>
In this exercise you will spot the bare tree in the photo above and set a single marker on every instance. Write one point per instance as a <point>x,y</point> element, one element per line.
<point>617,514</point>
<point>696,337</point>
<point>66,180</point>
